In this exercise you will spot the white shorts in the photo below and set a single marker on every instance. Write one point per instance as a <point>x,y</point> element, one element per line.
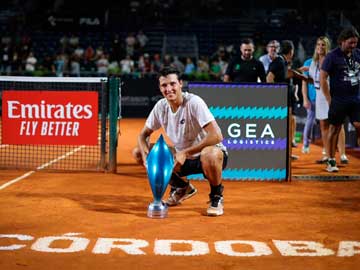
<point>321,106</point>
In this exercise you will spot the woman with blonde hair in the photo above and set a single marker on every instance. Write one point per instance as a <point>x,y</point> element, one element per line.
<point>322,48</point>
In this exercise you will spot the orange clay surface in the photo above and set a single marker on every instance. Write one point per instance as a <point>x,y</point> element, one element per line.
<point>94,207</point>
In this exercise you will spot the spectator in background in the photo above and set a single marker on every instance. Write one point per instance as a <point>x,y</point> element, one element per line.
<point>148,67</point>
<point>16,64</point>
<point>301,54</point>
<point>189,67</point>
<point>215,70</point>
<point>117,49</point>
<point>167,60</point>
<point>322,48</point>
<point>79,52</point>
<point>203,68</point>
<point>178,64</point>
<point>127,65</point>
<point>6,56</point>
<point>30,64</point>
<point>309,95</point>
<point>157,63</point>
<point>75,65</point>
<point>221,53</point>
<point>59,64</point>
<point>89,58</point>
<point>280,72</point>
<point>99,52</point>
<point>142,40</point>
<point>272,48</point>
<point>245,68</point>
<point>89,54</point>
<point>103,65</point>
<point>64,43</point>
<point>342,65</point>
<point>130,43</point>
<point>74,41</point>
<point>47,65</point>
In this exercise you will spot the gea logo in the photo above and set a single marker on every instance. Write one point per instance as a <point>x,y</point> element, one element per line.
<point>251,131</point>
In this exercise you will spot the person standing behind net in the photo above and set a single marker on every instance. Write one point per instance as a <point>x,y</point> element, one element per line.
<point>272,48</point>
<point>342,66</point>
<point>245,68</point>
<point>322,48</point>
<point>280,72</point>
<point>196,136</point>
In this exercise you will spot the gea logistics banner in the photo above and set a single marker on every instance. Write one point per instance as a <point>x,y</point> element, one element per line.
<point>254,123</point>
<point>50,117</point>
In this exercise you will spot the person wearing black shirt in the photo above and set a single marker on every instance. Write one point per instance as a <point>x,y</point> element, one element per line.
<point>340,83</point>
<point>280,72</point>
<point>245,68</point>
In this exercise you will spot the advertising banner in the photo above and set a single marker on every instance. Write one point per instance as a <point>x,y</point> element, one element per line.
<point>254,123</point>
<point>50,117</point>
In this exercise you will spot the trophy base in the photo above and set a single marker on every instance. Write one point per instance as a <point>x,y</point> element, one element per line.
<point>157,210</point>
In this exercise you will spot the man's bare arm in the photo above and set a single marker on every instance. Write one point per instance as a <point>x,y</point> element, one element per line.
<point>270,78</point>
<point>212,137</point>
<point>143,142</point>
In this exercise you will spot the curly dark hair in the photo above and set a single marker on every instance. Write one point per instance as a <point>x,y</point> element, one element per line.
<point>166,70</point>
<point>347,33</point>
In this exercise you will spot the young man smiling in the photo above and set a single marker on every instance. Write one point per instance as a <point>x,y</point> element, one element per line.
<point>196,137</point>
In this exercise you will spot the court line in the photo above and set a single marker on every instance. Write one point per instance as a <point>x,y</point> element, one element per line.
<point>41,167</point>
<point>16,180</point>
<point>3,145</point>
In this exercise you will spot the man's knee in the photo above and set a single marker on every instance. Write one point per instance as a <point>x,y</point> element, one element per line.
<point>211,156</point>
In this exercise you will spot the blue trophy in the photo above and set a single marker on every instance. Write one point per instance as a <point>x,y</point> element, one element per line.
<point>160,164</point>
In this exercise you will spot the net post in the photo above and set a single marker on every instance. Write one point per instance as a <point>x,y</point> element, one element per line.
<point>114,88</point>
<point>103,114</point>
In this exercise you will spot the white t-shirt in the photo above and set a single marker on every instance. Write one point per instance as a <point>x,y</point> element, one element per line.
<point>185,126</point>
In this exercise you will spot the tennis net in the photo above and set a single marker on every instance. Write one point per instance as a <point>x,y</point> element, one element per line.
<point>54,123</point>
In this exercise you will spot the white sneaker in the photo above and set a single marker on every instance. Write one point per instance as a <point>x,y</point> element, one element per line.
<point>332,166</point>
<point>305,150</point>
<point>344,159</point>
<point>216,207</point>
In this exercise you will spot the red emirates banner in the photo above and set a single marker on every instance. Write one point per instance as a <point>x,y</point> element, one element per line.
<point>50,117</point>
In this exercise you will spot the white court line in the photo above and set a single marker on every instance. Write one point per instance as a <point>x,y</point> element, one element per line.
<point>3,145</point>
<point>3,186</point>
<point>16,180</point>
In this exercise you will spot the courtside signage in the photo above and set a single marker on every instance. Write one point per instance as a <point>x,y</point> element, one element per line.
<point>50,117</point>
<point>253,119</point>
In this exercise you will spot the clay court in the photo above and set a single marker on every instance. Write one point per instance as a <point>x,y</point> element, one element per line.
<point>51,220</point>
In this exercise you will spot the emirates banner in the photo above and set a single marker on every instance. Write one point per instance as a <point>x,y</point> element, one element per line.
<point>50,117</point>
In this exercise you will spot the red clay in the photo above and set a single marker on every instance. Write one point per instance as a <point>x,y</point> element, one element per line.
<point>103,205</point>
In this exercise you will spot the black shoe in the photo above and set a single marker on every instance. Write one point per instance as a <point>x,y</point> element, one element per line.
<point>324,160</point>
<point>177,195</point>
<point>331,166</point>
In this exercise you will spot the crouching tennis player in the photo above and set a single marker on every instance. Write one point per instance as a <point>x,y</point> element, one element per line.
<point>196,137</point>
